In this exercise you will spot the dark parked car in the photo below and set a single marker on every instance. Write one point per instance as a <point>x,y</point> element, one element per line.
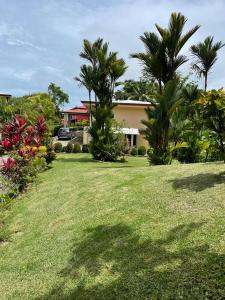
<point>66,133</point>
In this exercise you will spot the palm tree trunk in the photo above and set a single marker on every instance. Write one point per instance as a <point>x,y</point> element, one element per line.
<point>206,79</point>
<point>222,147</point>
<point>89,94</point>
<point>160,87</point>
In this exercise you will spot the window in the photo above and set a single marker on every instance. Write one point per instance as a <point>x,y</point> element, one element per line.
<point>128,136</point>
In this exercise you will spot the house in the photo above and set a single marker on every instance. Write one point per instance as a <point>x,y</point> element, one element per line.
<point>74,115</point>
<point>129,114</point>
<point>7,96</point>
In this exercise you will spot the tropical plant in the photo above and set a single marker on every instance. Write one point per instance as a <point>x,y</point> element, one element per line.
<point>58,96</point>
<point>105,68</point>
<point>158,122</point>
<point>205,54</point>
<point>34,106</point>
<point>162,57</point>
<point>26,155</point>
<point>6,110</point>
<point>137,90</point>
<point>212,106</point>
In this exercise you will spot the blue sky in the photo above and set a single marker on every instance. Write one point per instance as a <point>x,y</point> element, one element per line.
<point>41,39</point>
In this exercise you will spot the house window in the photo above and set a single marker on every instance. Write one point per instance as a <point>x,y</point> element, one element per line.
<point>132,140</point>
<point>128,136</point>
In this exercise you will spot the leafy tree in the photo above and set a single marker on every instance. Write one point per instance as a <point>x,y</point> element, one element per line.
<point>104,70</point>
<point>162,57</point>
<point>6,110</point>
<point>137,90</point>
<point>206,56</point>
<point>212,105</point>
<point>34,106</point>
<point>58,96</point>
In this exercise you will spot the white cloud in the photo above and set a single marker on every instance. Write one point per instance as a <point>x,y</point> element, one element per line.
<point>59,26</point>
<point>20,43</point>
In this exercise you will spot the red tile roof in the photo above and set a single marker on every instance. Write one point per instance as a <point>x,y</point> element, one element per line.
<point>77,110</point>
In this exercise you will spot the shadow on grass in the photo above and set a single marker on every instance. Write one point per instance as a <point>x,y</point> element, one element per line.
<point>103,165</point>
<point>112,262</point>
<point>115,167</point>
<point>74,159</point>
<point>199,182</point>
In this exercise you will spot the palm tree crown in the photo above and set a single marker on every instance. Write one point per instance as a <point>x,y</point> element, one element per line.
<point>162,57</point>
<point>206,56</point>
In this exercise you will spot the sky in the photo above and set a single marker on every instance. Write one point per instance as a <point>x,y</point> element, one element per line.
<point>40,40</point>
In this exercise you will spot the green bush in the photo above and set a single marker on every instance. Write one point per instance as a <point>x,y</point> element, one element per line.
<point>134,151</point>
<point>85,148</point>
<point>50,154</point>
<point>76,147</point>
<point>141,150</point>
<point>58,147</point>
<point>56,129</point>
<point>158,157</point>
<point>69,147</point>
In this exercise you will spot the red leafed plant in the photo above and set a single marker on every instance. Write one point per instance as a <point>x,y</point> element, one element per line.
<point>21,141</point>
<point>18,133</point>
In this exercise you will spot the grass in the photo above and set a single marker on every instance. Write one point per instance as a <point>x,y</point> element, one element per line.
<point>89,230</point>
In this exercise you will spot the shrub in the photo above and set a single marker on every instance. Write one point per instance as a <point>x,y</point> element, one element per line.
<point>50,154</point>
<point>58,147</point>
<point>158,157</point>
<point>76,147</point>
<point>26,155</point>
<point>85,148</point>
<point>141,150</point>
<point>134,151</point>
<point>69,147</point>
<point>56,130</point>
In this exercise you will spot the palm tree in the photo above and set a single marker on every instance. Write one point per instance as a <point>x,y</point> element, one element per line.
<point>158,122</point>
<point>100,76</point>
<point>206,56</point>
<point>90,50</point>
<point>154,60</point>
<point>85,79</point>
<point>162,57</point>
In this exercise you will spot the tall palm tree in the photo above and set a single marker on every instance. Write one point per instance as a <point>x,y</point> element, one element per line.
<point>85,79</point>
<point>159,118</point>
<point>100,75</point>
<point>90,50</point>
<point>154,60</point>
<point>162,57</point>
<point>205,54</point>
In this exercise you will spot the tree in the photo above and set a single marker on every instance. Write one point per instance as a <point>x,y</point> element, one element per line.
<point>35,106</point>
<point>104,68</point>
<point>205,54</point>
<point>158,122</point>
<point>6,110</point>
<point>212,105</point>
<point>58,96</point>
<point>85,79</point>
<point>162,57</point>
<point>137,90</point>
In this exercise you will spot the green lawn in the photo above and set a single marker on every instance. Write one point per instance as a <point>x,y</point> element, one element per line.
<point>89,230</point>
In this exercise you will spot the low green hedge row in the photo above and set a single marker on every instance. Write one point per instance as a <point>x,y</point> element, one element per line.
<point>70,148</point>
